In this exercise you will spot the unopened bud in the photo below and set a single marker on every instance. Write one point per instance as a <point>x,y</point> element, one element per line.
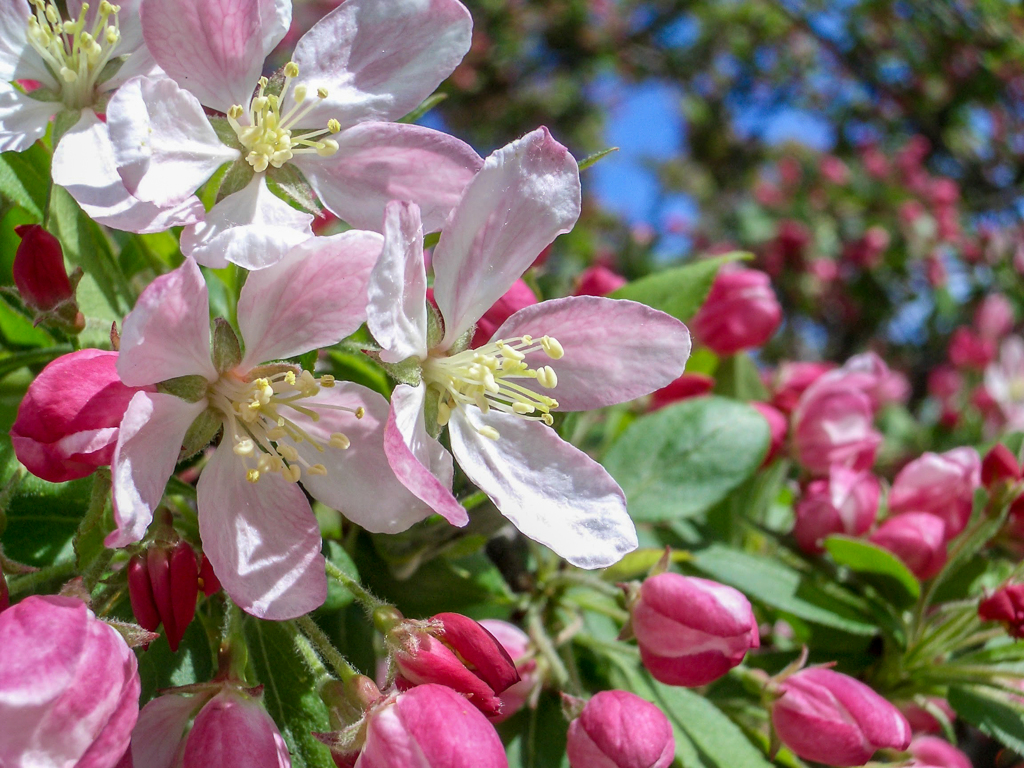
<point>163,587</point>
<point>42,281</point>
<point>999,466</point>
<point>618,728</point>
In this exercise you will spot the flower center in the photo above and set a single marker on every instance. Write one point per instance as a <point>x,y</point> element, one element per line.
<point>256,419</point>
<point>268,134</point>
<point>486,377</point>
<point>74,54</point>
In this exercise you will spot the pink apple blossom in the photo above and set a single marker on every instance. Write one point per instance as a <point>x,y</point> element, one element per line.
<point>280,423</point>
<point>845,502</point>
<point>778,426</point>
<point>994,317</point>
<point>941,484</point>
<point>598,280</point>
<point>916,538</point>
<point>365,64</point>
<point>933,752</point>
<point>69,59</point>
<point>588,350</point>
<point>618,729</point>
<point>833,719</point>
<point>67,424</point>
<point>519,647</point>
<point>69,686</point>
<point>741,311</point>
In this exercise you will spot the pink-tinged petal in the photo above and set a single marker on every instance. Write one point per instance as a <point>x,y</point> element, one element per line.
<point>83,163</point>
<point>615,350</point>
<point>158,736</point>
<point>379,162</point>
<point>163,143</point>
<point>379,59</point>
<point>261,538</point>
<point>551,491</point>
<point>214,48</point>
<point>527,194</point>
<point>234,731</point>
<point>314,297</point>
<point>419,461</point>
<point>276,20</point>
<point>147,449</point>
<point>18,60</point>
<point>252,228</point>
<point>22,118</point>
<point>397,312</point>
<point>168,333</point>
<point>359,483</point>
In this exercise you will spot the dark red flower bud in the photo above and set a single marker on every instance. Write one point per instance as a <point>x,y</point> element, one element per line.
<point>39,269</point>
<point>999,466</point>
<point>462,656</point>
<point>163,586</point>
<point>1006,606</point>
<point>686,386</point>
<point>5,597</point>
<point>208,581</point>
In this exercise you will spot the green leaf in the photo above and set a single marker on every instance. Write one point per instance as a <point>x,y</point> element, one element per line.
<point>992,713</point>
<point>42,520</point>
<point>893,578</point>
<point>770,581</point>
<point>540,742</point>
<point>679,291</point>
<point>289,691</point>
<point>737,376</point>
<point>237,178</point>
<point>18,330</point>
<point>159,668</point>
<point>682,460</point>
<point>589,160</point>
<point>25,178</point>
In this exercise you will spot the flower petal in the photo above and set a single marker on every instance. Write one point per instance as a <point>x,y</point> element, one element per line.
<point>214,48</point>
<point>419,461</point>
<point>276,20</point>
<point>397,310</point>
<point>314,297</point>
<point>160,730</point>
<point>527,194</point>
<point>261,538</point>
<point>359,483</point>
<point>379,162</point>
<point>615,350</point>
<point>18,59</point>
<point>379,59</point>
<point>164,145</point>
<point>22,118</point>
<point>252,228</point>
<point>147,449</point>
<point>168,333</point>
<point>551,491</point>
<point>83,163</point>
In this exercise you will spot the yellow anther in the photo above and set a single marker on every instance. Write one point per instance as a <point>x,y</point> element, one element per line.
<point>489,432</point>
<point>299,93</point>
<point>333,125</point>
<point>548,419</point>
<point>327,381</point>
<point>252,475</point>
<point>68,75</point>
<point>289,377</point>
<point>276,433</point>
<point>292,473</point>
<point>263,82</point>
<point>444,414</point>
<point>321,93</point>
<point>244,447</point>
<point>339,440</point>
<point>546,377</point>
<point>552,348</point>
<point>289,452</point>
<point>360,412</point>
<point>523,408</point>
<point>327,148</point>
<point>317,469</point>
<point>291,69</point>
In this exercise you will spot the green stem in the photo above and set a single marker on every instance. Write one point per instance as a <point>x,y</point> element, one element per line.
<point>305,648</point>
<point>18,360</point>
<point>368,601</point>
<point>539,635</point>
<point>56,571</point>
<point>578,579</point>
<point>319,640</point>
<point>474,500</point>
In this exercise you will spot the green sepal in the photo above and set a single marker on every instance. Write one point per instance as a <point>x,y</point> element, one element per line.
<point>111,68</point>
<point>237,178</point>
<point>201,433</point>
<point>288,183</point>
<point>225,132</point>
<point>430,411</point>
<point>227,349</point>
<point>435,326</point>
<point>406,372</point>
<point>191,388</point>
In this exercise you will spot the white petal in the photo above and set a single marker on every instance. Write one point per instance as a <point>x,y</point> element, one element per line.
<point>23,119</point>
<point>252,228</point>
<point>147,450</point>
<point>397,312</point>
<point>552,492</point>
<point>163,143</point>
<point>18,59</point>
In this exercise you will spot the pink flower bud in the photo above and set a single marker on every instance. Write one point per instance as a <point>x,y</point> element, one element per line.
<point>970,350</point>
<point>941,484</point>
<point>845,502</point>
<point>463,656</point>
<point>598,281</point>
<point>67,424</point>
<point>916,538</point>
<point>923,721</point>
<point>69,686</point>
<point>994,317</point>
<point>833,423</point>
<point>163,587</point>
<point>519,648</point>
<point>792,379</point>
<point>39,269</point>
<point>741,312</point>
<point>234,731</point>
<point>686,386</point>
<point>618,729</point>
<point>933,752</point>
<point>833,719</point>
<point>430,726</point>
<point>691,631</point>
<point>1006,606</point>
<point>515,298</point>
<point>999,466</point>
<point>778,424</point>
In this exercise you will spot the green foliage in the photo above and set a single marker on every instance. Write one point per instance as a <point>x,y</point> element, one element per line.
<point>992,712</point>
<point>878,565</point>
<point>678,291</point>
